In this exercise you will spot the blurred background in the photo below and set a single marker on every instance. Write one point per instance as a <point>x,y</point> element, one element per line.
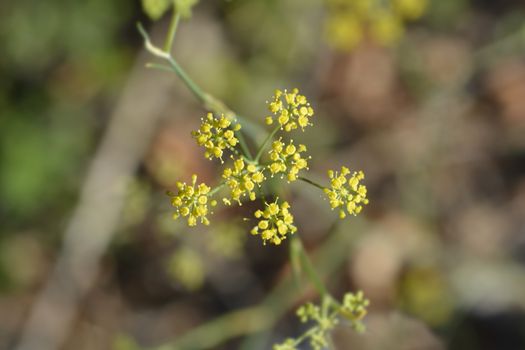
<point>427,98</point>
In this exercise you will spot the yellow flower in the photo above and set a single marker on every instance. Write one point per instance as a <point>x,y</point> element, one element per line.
<point>216,135</point>
<point>348,21</point>
<point>186,266</point>
<point>344,30</point>
<point>291,110</point>
<point>192,201</point>
<point>286,159</point>
<point>410,9</point>
<point>354,306</point>
<point>242,179</point>
<point>346,192</point>
<point>275,223</point>
<point>386,28</point>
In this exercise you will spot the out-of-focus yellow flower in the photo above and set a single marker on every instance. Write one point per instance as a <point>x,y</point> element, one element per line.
<point>344,31</point>
<point>216,135</point>
<point>287,159</point>
<point>242,179</point>
<point>186,267</point>
<point>291,110</point>
<point>192,201</point>
<point>361,7</point>
<point>427,295</point>
<point>227,240</point>
<point>348,20</point>
<point>354,306</point>
<point>386,28</point>
<point>346,192</point>
<point>410,9</point>
<point>275,223</point>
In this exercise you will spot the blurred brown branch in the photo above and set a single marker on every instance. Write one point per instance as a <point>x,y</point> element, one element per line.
<point>95,218</point>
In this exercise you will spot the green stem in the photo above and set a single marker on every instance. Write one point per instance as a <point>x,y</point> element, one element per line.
<point>265,142</point>
<point>216,189</point>
<point>244,145</point>
<point>309,269</point>
<point>209,101</point>
<point>159,67</point>
<point>206,99</point>
<point>313,183</point>
<point>213,333</point>
<point>312,331</point>
<point>194,88</point>
<point>295,261</point>
<point>172,30</point>
<point>197,91</point>
<point>234,324</point>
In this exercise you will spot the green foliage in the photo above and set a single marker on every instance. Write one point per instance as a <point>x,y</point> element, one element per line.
<point>36,164</point>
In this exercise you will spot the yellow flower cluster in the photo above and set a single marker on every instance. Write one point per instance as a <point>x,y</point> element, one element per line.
<point>242,179</point>
<point>346,192</point>
<point>191,201</point>
<point>325,317</point>
<point>354,306</point>
<point>291,109</point>
<point>216,135</point>
<point>348,20</point>
<point>287,159</point>
<point>275,223</point>
<point>245,176</point>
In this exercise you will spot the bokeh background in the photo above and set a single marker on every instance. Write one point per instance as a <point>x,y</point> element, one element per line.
<point>429,103</point>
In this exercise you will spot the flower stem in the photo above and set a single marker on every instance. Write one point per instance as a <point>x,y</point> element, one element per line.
<point>209,101</point>
<point>309,269</point>
<point>174,23</point>
<point>159,67</point>
<point>313,183</point>
<point>216,189</point>
<point>244,145</point>
<point>265,142</point>
<point>194,88</point>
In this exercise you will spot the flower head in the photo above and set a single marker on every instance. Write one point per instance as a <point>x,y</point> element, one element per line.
<point>192,201</point>
<point>346,192</point>
<point>287,159</point>
<point>242,179</point>
<point>291,110</point>
<point>319,334</point>
<point>349,22</point>
<point>308,312</point>
<point>275,223</point>
<point>410,9</point>
<point>354,306</point>
<point>216,135</point>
